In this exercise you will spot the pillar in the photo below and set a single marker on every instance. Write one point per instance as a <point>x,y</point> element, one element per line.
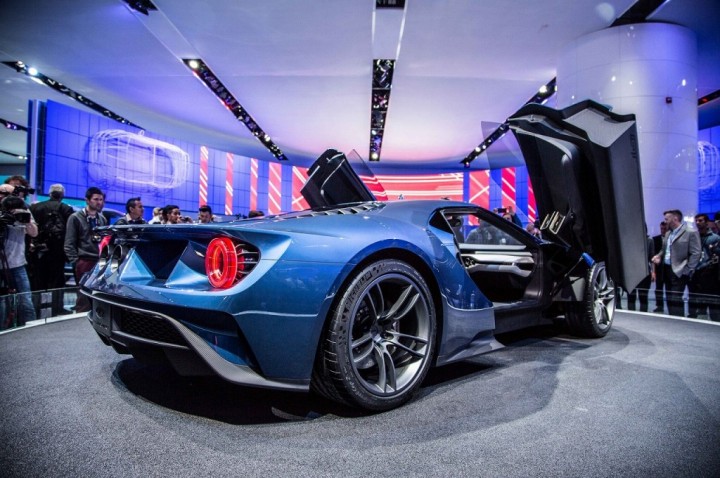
<point>648,69</point>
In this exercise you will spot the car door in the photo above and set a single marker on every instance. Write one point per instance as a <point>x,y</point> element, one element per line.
<point>584,167</point>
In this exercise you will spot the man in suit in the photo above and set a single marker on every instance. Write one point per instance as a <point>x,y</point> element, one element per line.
<point>678,257</point>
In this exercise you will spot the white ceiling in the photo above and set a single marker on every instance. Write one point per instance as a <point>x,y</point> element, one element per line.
<point>303,69</point>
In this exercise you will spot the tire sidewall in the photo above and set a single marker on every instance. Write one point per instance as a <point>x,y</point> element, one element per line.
<point>341,330</point>
<point>593,275</point>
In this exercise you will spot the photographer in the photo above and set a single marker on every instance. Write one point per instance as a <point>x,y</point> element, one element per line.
<point>15,222</point>
<point>21,186</point>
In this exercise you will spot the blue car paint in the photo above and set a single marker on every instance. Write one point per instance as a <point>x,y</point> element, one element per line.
<point>282,305</point>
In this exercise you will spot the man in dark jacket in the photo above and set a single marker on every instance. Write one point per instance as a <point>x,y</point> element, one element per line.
<point>643,288</point>
<point>134,210</point>
<point>49,246</point>
<point>81,245</point>
<point>704,286</point>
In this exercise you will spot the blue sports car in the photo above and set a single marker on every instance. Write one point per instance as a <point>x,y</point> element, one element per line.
<point>356,299</point>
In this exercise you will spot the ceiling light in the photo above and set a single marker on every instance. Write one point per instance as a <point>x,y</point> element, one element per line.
<point>12,126</point>
<point>203,73</point>
<point>380,102</point>
<point>14,155</point>
<point>39,78</point>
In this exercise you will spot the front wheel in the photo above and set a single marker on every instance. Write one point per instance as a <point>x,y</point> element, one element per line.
<point>593,316</point>
<point>380,340</point>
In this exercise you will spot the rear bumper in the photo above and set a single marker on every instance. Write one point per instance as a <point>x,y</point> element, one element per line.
<point>132,328</point>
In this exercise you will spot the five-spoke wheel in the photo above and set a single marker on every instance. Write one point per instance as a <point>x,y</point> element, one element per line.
<point>380,340</point>
<point>593,317</point>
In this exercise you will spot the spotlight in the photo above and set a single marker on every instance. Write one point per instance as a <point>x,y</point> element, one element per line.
<point>202,72</point>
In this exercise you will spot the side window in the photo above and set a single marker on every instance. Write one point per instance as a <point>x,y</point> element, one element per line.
<point>470,227</point>
<point>486,233</point>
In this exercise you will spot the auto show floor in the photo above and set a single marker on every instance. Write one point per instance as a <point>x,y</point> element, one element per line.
<point>644,401</point>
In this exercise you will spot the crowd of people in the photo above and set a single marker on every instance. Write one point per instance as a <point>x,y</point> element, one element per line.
<point>38,240</point>
<point>683,259</point>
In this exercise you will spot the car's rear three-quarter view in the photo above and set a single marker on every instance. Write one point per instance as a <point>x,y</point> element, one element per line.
<point>356,299</point>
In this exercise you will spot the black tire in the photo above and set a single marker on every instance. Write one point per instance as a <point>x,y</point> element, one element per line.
<point>593,316</point>
<point>380,338</point>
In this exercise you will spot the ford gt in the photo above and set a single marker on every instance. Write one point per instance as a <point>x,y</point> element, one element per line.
<point>355,298</point>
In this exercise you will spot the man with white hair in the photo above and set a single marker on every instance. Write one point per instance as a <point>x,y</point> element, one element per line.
<point>48,257</point>
<point>15,222</point>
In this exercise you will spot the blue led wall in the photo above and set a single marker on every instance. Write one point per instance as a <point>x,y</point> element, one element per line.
<point>84,149</point>
<point>709,171</point>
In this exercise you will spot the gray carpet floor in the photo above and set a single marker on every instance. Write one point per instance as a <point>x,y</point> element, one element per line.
<point>644,401</point>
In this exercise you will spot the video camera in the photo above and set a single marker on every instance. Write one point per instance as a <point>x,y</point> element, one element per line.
<point>13,209</point>
<point>23,190</point>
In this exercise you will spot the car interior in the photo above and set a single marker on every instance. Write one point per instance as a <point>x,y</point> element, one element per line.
<point>499,256</point>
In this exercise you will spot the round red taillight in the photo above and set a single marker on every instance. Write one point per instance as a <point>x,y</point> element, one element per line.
<point>104,243</point>
<point>222,263</point>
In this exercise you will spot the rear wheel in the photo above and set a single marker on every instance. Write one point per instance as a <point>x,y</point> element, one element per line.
<point>594,315</point>
<point>379,342</point>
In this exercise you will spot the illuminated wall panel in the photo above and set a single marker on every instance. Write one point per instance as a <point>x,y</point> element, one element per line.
<point>479,192</point>
<point>299,177</point>
<point>274,188</point>
<point>431,186</point>
<point>508,187</point>
<point>253,183</point>
<point>203,176</point>
<point>83,149</point>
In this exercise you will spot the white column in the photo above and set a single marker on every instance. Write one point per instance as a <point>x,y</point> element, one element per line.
<point>648,69</point>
